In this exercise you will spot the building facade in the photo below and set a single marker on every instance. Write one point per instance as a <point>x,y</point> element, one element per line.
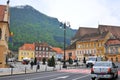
<point>4,34</point>
<point>92,45</point>
<point>91,41</point>
<point>27,51</point>
<point>43,50</point>
<point>112,50</point>
<point>70,52</point>
<point>59,53</point>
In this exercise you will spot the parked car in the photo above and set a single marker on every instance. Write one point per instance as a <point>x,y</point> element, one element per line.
<point>104,69</point>
<point>25,60</point>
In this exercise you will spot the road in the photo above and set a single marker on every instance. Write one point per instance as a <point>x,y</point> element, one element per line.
<point>65,74</point>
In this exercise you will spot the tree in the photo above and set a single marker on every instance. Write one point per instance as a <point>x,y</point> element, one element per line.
<point>44,60</point>
<point>70,60</point>
<point>51,62</point>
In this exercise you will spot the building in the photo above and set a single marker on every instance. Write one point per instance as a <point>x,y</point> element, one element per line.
<point>91,41</point>
<point>27,51</point>
<point>4,34</point>
<point>112,50</point>
<point>70,52</point>
<point>43,50</point>
<point>92,45</point>
<point>59,53</point>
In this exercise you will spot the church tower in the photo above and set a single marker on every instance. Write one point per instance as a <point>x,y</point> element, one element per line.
<point>4,34</point>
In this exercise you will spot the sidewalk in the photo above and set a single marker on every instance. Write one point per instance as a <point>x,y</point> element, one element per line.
<point>23,69</point>
<point>27,69</point>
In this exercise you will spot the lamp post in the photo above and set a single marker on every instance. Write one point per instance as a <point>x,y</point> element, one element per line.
<point>65,25</point>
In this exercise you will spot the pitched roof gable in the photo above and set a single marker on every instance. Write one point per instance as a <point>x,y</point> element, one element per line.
<point>58,50</point>
<point>115,30</point>
<point>83,31</point>
<point>27,47</point>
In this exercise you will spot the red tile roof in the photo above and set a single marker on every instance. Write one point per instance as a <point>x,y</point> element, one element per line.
<point>27,47</point>
<point>113,42</point>
<point>58,50</point>
<point>2,12</point>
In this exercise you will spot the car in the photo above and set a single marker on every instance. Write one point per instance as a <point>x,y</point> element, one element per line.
<point>91,61</point>
<point>104,69</point>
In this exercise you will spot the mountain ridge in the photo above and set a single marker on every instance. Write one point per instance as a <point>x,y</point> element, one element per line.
<point>29,25</point>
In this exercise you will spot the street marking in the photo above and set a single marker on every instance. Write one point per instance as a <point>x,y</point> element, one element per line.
<point>46,76</point>
<point>81,77</point>
<point>85,71</point>
<point>62,77</point>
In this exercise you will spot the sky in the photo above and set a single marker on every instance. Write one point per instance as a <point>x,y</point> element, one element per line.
<point>79,13</point>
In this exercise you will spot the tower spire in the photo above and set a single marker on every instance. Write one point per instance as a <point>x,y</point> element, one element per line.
<point>8,2</point>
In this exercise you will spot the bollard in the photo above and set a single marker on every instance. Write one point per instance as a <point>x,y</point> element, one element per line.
<point>25,70</point>
<point>36,69</point>
<point>46,68</point>
<point>11,71</point>
<point>60,66</point>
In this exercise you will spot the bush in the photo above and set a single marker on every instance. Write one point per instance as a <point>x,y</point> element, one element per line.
<point>51,62</point>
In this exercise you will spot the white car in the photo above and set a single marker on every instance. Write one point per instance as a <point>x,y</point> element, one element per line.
<point>104,69</point>
<point>91,61</point>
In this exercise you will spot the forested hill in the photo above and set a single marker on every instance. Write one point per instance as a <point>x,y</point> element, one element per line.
<point>30,25</point>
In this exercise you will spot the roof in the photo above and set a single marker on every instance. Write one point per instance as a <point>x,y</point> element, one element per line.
<point>2,12</point>
<point>27,47</point>
<point>113,42</point>
<point>41,44</point>
<point>115,30</point>
<point>72,46</point>
<point>58,50</point>
<point>83,31</point>
<point>93,36</point>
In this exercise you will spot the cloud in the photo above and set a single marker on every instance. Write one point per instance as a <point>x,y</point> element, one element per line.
<point>85,13</point>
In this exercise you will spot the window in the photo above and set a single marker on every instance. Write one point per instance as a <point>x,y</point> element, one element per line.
<point>0,33</point>
<point>43,48</point>
<point>46,48</point>
<point>39,48</point>
<point>70,54</point>
<point>36,48</point>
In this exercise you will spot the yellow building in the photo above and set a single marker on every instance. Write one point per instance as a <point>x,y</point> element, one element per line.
<point>4,34</point>
<point>27,51</point>
<point>92,45</point>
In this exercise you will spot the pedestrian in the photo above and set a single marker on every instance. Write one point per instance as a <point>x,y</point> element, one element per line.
<point>32,63</point>
<point>38,66</point>
<point>84,60</point>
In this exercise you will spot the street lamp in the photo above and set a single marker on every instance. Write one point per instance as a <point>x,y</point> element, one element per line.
<point>65,25</point>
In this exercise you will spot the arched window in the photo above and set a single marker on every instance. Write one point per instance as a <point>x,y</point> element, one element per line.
<point>0,33</point>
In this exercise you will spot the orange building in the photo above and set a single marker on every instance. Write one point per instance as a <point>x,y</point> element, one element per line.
<point>59,53</point>
<point>70,52</point>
